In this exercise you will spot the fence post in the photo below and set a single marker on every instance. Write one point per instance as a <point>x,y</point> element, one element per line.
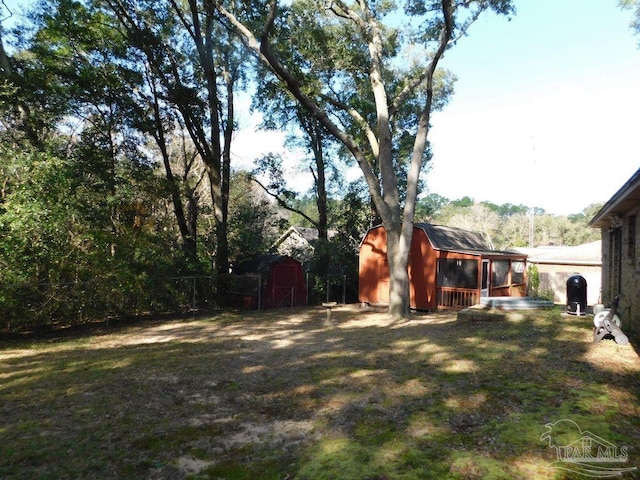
<point>259,291</point>
<point>344,289</point>
<point>193,303</point>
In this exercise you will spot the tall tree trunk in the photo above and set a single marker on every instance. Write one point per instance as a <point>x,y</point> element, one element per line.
<point>397,222</point>
<point>397,257</point>
<point>187,228</point>
<point>315,134</point>
<point>215,154</point>
<point>190,243</point>
<point>222,226</point>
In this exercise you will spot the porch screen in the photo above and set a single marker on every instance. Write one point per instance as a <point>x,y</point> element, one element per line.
<point>457,273</point>
<point>517,271</point>
<point>500,273</point>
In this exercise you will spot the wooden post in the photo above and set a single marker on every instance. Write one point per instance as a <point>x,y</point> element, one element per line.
<point>327,291</point>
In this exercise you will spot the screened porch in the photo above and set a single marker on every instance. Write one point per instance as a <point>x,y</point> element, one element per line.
<point>462,281</point>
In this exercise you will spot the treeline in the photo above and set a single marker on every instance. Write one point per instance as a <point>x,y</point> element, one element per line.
<point>118,191</point>
<point>117,186</point>
<point>79,245</point>
<point>508,225</point>
<point>503,226</point>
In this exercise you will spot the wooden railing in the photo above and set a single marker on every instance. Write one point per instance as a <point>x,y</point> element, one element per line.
<point>448,297</point>
<point>503,291</point>
<point>515,290</point>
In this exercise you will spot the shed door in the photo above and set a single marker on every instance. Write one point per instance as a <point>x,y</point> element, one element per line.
<point>486,279</point>
<point>284,285</point>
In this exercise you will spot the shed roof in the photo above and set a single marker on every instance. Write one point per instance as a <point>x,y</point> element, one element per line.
<point>259,263</point>
<point>452,239</point>
<point>310,235</point>
<point>623,201</point>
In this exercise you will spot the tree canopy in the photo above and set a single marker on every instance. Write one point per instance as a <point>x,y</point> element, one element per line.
<point>367,71</point>
<point>117,123</point>
<point>634,6</point>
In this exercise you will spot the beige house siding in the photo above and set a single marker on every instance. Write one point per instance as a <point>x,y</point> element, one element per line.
<point>557,264</point>
<point>620,230</point>
<point>621,269</point>
<point>553,278</point>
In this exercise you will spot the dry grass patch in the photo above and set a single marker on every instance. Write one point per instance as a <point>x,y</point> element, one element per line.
<point>279,394</point>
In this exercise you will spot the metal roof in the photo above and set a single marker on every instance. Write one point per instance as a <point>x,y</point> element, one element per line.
<point>310,235</point>
<point>452,239</point>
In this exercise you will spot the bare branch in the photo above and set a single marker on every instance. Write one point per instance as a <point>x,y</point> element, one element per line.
<point>4,4</point>
<point>348,13</point>
<point>444,39</point>
<point>270,22</point>
<point>284,204</point>
<point>263,51</point>
<point>420,142</point>
<point>371,136</point>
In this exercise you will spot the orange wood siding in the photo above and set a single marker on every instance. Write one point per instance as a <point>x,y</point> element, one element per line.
<point>422,272</point>
<point>374,270</point>
<point>373,285</point>
<point>373,267</point>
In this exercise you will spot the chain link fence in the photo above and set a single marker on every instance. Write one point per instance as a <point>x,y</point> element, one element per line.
<point>248,291</point>
<point>29,307</point>
<point>49,305</point>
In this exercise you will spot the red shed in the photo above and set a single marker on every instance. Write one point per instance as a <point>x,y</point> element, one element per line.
<point>281,280</point>
<point>448,268</point>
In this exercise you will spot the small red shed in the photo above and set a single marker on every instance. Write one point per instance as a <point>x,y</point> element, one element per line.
<point>448,268</point>
<point>281,280</point>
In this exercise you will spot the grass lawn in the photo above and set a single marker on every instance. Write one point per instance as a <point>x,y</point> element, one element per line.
<point>282,395</point>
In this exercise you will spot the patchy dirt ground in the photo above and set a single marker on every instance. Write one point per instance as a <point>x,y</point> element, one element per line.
<point>286,395</point>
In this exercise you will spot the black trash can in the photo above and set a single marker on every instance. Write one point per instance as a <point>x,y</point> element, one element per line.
<point>577,295</point>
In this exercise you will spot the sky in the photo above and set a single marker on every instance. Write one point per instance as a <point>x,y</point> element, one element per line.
<point>546,109</point>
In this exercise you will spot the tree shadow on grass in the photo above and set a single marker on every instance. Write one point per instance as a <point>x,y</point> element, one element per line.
<point>277,394</point>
